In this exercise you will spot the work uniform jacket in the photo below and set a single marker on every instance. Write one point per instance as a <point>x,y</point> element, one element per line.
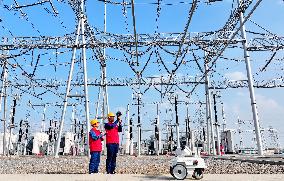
<point>112,130</point>
<point>95,140</point>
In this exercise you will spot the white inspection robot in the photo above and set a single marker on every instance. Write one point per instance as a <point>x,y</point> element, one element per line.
<point>187,163</point>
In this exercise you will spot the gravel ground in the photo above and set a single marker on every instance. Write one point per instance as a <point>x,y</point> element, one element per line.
<point>150,165</point>
<point>135,177</point>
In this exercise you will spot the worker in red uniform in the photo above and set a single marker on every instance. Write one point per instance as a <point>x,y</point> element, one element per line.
<point>222,152</point>
<point>95,143</point>
<point>112,141</point>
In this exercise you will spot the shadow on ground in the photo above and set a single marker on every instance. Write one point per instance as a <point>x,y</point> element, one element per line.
<point>158,177</point>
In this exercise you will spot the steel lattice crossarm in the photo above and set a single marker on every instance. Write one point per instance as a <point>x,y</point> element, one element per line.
<point>102,40</point>
<point>167,39</point>
<point>266,44</point>
<point>168,102</point>
<point>145,81</point>
<point>151,81</point>
<point>274,83</point>
<point>113,41</point>
<point>44,42</point>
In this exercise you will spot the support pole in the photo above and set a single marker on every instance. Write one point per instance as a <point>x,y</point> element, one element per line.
<point>105,105</point>
<point>127,132</point>
<point>192,141</point>
<point>43,120</point>
<point>4,89</point>
<point>73,124</point>
<point>67,91</point>
<point>139,141</point>
<point>134,31</point>
<point>224,118</point>
<point>250,85</point>
<point>139,125</point>
<point>209,112</point>
<point>12,123</point>
<point>103,67</point>
<point>104,151</point>
<point>26,136</point>
<point>187,126</point>
<point>211,124</point>
<point>131,136</point>
<point>216,125</point>
<point>85,80</point>
<point>98,102</point>
<point>104,63</point>
<point>4,77</point>
<point>159,142</point>
<point>177,127</point>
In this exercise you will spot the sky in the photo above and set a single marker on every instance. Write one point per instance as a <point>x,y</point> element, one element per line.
<point>150,18</point>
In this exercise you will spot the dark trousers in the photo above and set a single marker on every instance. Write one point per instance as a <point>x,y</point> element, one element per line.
<point>94,162</point>
<point>112,150</point>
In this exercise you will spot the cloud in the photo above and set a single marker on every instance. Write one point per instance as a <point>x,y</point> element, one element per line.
<point>236,76</point>
<point>236,109</point>
<point>267,103</point>
<point>270,111</point>
<point>242,93</point>
<point>280,2</point>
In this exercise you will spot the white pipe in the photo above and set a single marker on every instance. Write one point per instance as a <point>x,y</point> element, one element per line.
<point>85,83</point>
<point>159,132</point>
<point>67,90</point>
<point>138,142</point>
<point>209,112</point>
<point>4,108</point>
<point>127,133</point>
<point>250,85</point>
